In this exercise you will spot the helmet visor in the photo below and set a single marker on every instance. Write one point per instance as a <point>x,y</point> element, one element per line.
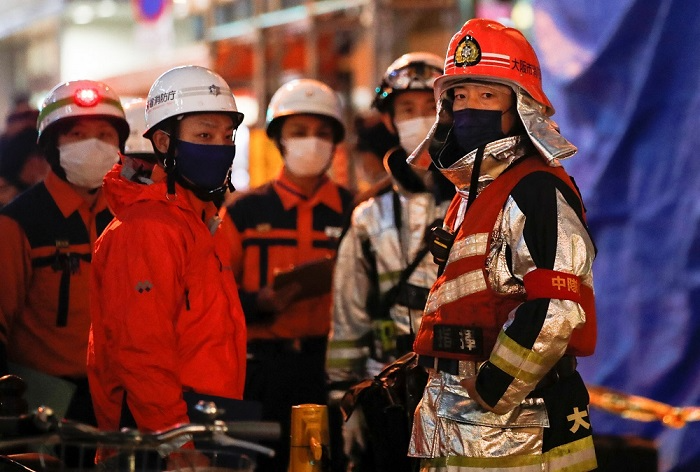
<point>415,76</point>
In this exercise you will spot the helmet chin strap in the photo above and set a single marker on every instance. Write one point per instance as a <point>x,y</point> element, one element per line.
<point>170,166</point>
<point>476,170</point>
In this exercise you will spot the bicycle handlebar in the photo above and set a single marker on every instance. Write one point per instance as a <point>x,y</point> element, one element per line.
<point>49,429</point>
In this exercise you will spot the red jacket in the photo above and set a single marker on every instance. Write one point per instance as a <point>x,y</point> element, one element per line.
<point>165,311</point>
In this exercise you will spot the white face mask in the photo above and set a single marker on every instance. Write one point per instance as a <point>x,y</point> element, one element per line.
<point>86,162</point>
<point>307,157</point>
<point>413,131</point>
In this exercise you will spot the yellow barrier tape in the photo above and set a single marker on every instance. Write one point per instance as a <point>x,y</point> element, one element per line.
<point>639,408</point>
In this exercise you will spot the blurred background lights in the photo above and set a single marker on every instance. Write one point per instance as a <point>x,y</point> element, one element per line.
<point>106,8</point>
<point>249,107</point>
<point>523,15</point>
<point>82,14</point>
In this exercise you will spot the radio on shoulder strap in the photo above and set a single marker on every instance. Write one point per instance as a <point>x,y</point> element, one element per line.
<point>441,241</point>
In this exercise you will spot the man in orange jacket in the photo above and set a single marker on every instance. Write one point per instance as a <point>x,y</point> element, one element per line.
<point>292,220</point>
<point>48,234</point>
<point>166,318</point>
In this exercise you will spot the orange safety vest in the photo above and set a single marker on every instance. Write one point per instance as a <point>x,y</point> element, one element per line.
<point>477,318</point>
<point>276,228</point>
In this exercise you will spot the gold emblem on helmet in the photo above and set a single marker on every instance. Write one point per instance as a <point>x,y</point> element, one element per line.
<point>468,52</point>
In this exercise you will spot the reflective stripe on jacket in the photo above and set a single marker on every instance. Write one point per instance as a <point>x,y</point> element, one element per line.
<point>371,258</point>
<point>276,227</point>
<point>473,309</point>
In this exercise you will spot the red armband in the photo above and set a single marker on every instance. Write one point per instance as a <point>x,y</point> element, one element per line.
<point>545,283</point>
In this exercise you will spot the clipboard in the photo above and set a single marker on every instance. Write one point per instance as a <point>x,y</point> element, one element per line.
<point>315,277</point>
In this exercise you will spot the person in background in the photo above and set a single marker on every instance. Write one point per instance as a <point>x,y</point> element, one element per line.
<point>294,219</point>
<point>22,116</point>
<point>166,319</point>
<point>373,142</point>
<point>138,158</point>
<point>384,270</point>
<point>21,161</point>
<point>514,305</point>
<point>48,235</point>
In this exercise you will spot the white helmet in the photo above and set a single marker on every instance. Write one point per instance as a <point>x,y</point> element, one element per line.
<point>135,111</point>
<point>188,89</point>
<point>77,99</point>
<point>305,96</point>
<point>412,71</point>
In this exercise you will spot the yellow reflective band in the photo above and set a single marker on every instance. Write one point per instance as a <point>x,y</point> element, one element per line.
<point>347,354</point>
<point>346,343</point>
<point>517,361</point>
<point>577,456</point>
<point>530,463</point>
<point>392,276</point>
<point>572,457</point>
<point>356,364</point>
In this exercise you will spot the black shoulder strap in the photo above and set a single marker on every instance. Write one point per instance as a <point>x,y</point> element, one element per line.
<point>390,297</point>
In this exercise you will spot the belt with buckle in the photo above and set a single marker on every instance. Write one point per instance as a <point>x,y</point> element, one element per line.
<point>565,367</point>
<point>451,366</point>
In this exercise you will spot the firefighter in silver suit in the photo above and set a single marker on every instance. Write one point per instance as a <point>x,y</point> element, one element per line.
<point>384,270</point>
<point>514,305</point>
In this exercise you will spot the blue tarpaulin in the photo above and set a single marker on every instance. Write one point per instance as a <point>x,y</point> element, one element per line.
<point>624,77</point>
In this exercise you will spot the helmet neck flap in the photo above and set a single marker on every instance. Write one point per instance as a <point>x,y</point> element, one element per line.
<point>486,51</point>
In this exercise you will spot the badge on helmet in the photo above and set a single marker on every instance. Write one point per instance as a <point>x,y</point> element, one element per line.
<point>188,89</point>
<point>468,52</point>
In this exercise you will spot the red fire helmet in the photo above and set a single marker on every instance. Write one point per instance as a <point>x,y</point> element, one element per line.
<point>487,50</point>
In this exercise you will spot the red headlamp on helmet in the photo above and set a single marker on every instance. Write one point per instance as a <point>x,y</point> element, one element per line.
<point>86,97</point>
<point>486,50</point>
<point>81,98</point>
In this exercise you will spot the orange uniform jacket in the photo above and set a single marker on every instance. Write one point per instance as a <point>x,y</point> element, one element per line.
<point>46,240</point>
<point>166,315</point>
<point>276,227</point>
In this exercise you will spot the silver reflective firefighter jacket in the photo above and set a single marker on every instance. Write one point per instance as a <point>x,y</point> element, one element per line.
<point>527,221</point>
<point>371,257</point>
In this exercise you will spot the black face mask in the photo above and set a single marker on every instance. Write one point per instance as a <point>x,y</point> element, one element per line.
<point>206,168</point>
<point>473,128</point>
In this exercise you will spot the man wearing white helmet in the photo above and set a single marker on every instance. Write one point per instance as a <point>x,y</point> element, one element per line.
<point>166,318</point>
<point>48,234</point>
<point>292,220</point>
<point>514,305</point>
<point>384,270</point>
